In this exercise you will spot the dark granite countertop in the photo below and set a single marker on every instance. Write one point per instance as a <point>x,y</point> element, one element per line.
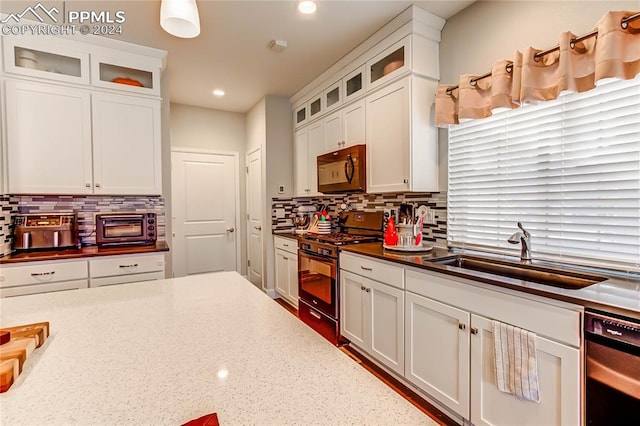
<point>90,251</point>
<point>614,295</point>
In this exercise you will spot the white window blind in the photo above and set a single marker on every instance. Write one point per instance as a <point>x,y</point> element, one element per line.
<point>568,169</point>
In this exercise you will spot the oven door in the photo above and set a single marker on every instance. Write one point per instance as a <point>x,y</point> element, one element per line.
<point>317,281</point>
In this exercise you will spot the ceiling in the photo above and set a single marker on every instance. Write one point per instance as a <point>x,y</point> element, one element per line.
<point>232,51</point>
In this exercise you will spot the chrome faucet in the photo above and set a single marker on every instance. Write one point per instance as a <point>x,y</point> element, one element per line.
<point>524,238</point>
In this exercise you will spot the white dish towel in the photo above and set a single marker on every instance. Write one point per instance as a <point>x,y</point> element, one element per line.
<point>515,361</point>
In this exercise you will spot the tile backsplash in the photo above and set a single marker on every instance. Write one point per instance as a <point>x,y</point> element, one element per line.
<point>283,210</point>
<point>85,207</point>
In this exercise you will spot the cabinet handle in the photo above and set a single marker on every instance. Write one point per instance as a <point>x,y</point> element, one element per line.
<point>42,274</point>
<point>133,265</point>
<point>461,326</point>
<point>285,257</point>
<point>474,330</point>
<point>365,268</point>
<point>258,228</point>
<point>315,314</point>
<point>285,245</point>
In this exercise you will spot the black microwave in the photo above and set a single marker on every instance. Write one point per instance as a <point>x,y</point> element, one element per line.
<point>126,228</point>
<point>343,170</point>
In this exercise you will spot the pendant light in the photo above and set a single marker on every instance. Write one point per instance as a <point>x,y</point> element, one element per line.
<point>180,18</point>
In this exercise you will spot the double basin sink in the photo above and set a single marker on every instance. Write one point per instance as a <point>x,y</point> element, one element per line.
<point>548,275</point>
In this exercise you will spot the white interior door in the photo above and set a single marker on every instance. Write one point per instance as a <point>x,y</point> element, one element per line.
<point>204,200</point>
<point>254,218</point>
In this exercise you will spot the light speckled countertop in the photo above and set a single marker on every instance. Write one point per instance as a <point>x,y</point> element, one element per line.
<point>154,353</point>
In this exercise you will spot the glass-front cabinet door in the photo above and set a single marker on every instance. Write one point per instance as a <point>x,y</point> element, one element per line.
<point>353,84</point>
<point>316,106</point>
<point>42,58</point>
<point>389,64</point>
<point>333,96</point>
<point>126,72</point>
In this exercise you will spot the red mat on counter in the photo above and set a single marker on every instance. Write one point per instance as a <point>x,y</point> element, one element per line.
<point>207,420</point>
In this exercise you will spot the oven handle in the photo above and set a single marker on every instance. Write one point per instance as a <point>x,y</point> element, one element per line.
<point>309,254</point>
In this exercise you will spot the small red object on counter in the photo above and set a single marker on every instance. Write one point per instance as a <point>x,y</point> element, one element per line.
<point>390,234</point>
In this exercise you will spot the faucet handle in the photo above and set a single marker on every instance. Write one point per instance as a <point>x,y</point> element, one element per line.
<point>526,233</point>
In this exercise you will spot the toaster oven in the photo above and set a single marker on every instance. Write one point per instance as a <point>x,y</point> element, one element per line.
<point>126,228</point>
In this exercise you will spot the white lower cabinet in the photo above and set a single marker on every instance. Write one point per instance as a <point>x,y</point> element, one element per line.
<point>371,311</point>
<point>558,377</point>
<point>42,277</point>
<point>125,269</point>
<point>286,273</point>
<point>449,353</point>
<point>437,360</point>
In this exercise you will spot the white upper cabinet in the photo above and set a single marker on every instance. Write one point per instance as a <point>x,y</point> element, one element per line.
<point>308,144</point>
<point>402,147</point>
<point>345,127</point>
<point>70,128</point>
<point>126,145</point>
<point>316,106</point>
<point>48,139</point>
<point>43,57</point>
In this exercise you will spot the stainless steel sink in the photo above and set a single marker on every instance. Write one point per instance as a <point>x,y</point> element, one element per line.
<point>548,275</point>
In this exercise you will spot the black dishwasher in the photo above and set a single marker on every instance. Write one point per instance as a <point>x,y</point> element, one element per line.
<point>612,369</point>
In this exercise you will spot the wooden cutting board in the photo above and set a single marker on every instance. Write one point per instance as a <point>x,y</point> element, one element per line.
<point>23,340</point>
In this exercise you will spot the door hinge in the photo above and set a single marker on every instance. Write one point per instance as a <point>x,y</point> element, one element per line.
<point>248,262</point>
<point>247,169</point>
<point>247,216</point>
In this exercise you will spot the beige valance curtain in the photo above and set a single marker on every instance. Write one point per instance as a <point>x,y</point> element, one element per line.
<point>577,64</point>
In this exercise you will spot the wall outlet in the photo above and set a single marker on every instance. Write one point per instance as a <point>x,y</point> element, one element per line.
<point>280,189</point>
<point>430,217</point>
<point>279,213</point>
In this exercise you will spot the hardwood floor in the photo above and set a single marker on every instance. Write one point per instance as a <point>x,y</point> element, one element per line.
<point>427,408</point>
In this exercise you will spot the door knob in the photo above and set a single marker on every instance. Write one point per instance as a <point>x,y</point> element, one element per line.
<point>259,228</point>
<point>231,229</point>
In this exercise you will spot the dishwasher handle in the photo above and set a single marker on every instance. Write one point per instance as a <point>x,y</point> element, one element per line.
<point>611,328</point>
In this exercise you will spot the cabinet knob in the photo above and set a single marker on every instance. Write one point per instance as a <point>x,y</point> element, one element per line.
<point>98,185</point>
<point>461,326</point>
<point>88,185</point>
<point>231,229</point>
<point>367,289</point>
<point>362,288</point>
<point>405,181</point>
<point>474,330</point>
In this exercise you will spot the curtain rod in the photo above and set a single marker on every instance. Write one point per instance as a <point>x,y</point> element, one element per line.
<point>474,80</point>
<point>624,23</point>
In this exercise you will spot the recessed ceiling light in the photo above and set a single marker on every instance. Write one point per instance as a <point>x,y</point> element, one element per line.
<point>218,92</point>
<point>307,6</point>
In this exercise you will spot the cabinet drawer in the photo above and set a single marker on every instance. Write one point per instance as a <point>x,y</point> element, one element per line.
<point>286,244</point>
<point>379,271</point>
<point>124,279</point>
<point>39,273</point>
<point>125,265</point>
<point>23,290</point>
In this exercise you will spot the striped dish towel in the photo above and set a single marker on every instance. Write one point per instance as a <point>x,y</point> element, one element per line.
<point>515,361</point>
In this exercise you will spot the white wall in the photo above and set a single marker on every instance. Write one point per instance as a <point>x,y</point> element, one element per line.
<point>217,131</point>
<point>487,31</point>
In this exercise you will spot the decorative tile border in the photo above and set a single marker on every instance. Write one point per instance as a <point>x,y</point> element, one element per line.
<point>85,206</point>
<point>283,210</point>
